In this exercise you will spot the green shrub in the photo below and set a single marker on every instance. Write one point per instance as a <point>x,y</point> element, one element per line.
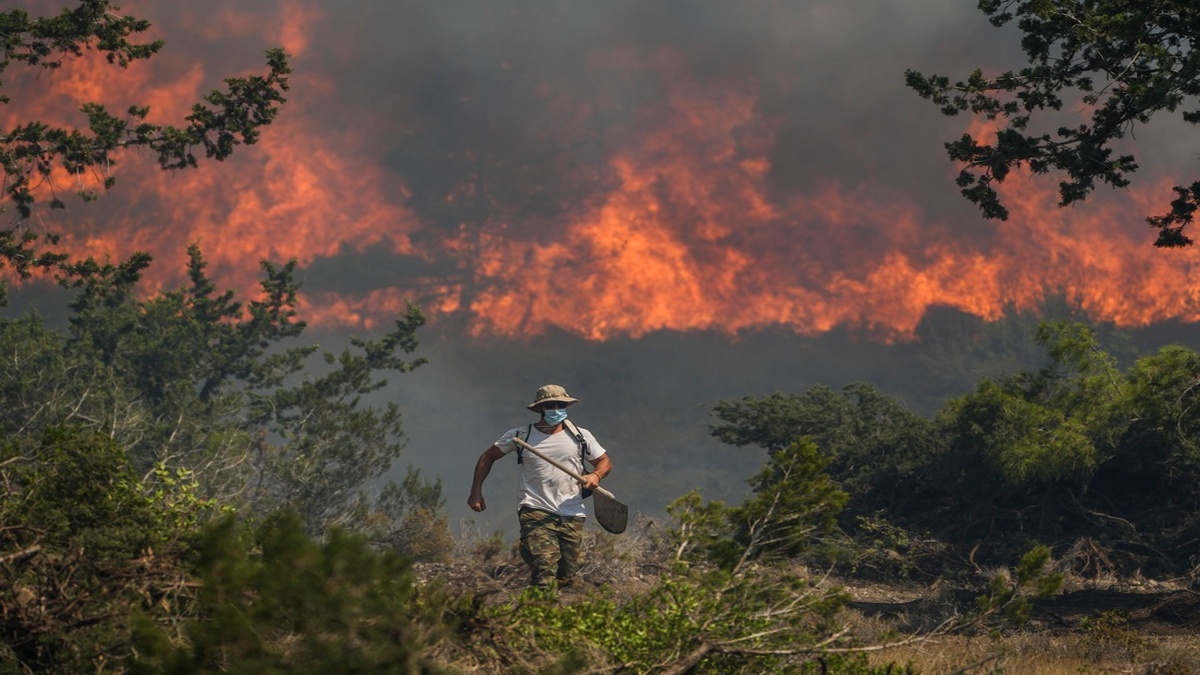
<point>291,604</point>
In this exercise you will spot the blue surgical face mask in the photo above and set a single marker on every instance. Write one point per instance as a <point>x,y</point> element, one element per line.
<point>554,416</point>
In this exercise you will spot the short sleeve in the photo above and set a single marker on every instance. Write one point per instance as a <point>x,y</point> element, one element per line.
<point>505,442</point>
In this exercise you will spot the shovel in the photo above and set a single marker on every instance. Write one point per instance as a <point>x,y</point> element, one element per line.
<point>610,513</point>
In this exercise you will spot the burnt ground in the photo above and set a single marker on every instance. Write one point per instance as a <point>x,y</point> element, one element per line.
<point>1155,609</point>
<point>1151,612</point>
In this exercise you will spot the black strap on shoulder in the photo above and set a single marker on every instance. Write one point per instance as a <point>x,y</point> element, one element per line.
<point>583,450</point>
<point>520,457</point>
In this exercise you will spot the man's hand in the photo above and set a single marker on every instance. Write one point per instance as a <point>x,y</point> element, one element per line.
<point>591,480</point>
<point>475,501</point>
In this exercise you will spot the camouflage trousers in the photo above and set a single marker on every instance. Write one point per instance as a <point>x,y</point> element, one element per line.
<point>550,545</point>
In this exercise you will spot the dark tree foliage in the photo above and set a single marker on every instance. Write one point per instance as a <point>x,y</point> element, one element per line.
<point>1126,61</point>
<point>120,437</point>
<point>31,151</point>
<point>1151,469</point>
<point>874,445</point>
<point>1079,451</point>
<point>793,501</point>
<point>193,379</point>
<point>289,604</point>
<point>81,543</point>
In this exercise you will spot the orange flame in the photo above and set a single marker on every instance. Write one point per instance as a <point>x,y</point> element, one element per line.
<point>687,234</point>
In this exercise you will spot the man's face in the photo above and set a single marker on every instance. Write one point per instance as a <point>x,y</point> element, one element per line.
<point>552,405</point>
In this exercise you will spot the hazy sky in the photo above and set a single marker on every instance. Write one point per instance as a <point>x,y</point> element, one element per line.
<point>656,204</point>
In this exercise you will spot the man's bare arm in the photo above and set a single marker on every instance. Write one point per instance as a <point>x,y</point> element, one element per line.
<point>602,466</point>
<point>482,468</point>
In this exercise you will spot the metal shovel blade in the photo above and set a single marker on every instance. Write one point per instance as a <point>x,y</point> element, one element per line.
<point>610,513</point>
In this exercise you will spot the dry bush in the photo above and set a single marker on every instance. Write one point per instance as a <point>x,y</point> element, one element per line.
<point>1086,565</point>
<point>1175,657</point>
<point>424,536</point>
<point>473,544</point>
<point>622,561</point>
<point>1045,653</point>
<point>1028,654</point>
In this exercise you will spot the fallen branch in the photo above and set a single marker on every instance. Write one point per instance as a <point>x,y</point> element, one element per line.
<point>21,555</point>
<point>691,660</point>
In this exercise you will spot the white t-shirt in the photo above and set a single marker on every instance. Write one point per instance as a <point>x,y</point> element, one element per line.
<point>543,485</point>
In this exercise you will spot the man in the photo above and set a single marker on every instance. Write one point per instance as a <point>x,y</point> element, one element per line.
<point>551,511</point>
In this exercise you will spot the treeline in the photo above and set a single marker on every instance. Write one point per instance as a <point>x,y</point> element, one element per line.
<point>1102,464</point>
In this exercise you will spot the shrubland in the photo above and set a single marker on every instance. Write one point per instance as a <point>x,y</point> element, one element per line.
<point>209,509</point>
<point>189,488</point>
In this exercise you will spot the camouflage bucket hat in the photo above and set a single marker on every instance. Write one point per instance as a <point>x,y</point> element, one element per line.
<point>550,392</point>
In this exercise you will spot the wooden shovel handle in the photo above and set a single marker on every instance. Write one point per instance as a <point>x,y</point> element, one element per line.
<point>561,467</point>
